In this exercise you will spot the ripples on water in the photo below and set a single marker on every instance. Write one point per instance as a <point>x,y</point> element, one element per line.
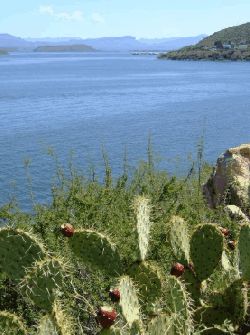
<point>84,101</point>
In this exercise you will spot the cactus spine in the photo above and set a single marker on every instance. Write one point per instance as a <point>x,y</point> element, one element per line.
<point>10,324</point>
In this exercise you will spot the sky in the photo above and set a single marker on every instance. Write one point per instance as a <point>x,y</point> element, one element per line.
<point>139,18</point>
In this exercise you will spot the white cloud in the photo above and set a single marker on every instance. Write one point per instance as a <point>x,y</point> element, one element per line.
<point>76,15</point>
<point>97,18</point>
<point>46,10</point>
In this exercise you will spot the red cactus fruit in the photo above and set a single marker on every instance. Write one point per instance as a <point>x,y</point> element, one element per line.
<point>177,270</point>
<point>231,245</point>
<point>67,229</point>
<point>114,295</point>
<point>106,316</point>
<point>225,231</point>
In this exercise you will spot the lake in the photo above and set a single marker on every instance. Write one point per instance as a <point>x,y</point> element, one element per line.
<point>82,102</point>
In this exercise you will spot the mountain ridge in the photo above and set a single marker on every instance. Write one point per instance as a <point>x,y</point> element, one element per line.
<point>232,43</point>
<point>124,43</point>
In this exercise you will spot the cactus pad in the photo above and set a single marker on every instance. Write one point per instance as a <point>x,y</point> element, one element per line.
<point>244,251</point>
<point>149,280</point>
<point>142,210</point>
<point>47,326</point>
<point>211,316</point>
<point>27,250</point>
<point>214,331</point>
<point>178,303</point>
<point>10,324</point>
<point>129,301</point>
<point>43,283</point>
<point>96,249</point>
<point>206,248</point>
<point>179,239</point>
<point>161,324</point>
<point>236,298</point>
<point>111,331</point>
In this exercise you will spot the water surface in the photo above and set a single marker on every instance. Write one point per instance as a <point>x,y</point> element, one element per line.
<point>83,101</point>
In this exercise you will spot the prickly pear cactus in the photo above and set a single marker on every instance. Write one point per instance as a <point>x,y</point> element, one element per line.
<point>96,250</point>
<point>161,324</point>
<point>11,324</point>
<point>149,280</point>
<point>142,210</point>
<point>129,301</point>
<point>178,303</point>
<point>244,252</point>
<point>43,282</point>
<point>113,331</point>
<point>56,323</point>
<point>47,326</point>
<point>214,331</point>
<point>236,298</point>
<point>206,248</point>
<point>179,239</point>
<point>212,316</point>
<point>18,251</point>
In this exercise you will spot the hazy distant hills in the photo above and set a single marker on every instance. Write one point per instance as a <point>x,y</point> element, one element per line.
<point>64,48</point>
<point>126,43</point>
<point>9,41</point>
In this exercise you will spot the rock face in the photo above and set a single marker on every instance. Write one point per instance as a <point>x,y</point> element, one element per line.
<point>229,183</point>
<point>236,213</point>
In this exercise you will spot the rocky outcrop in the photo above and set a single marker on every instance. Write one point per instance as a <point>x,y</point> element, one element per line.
<point>229,183</point>
<point>235,213</point>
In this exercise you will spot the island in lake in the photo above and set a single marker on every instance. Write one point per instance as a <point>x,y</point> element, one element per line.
<point>228,44</point>
<point>65,48</point>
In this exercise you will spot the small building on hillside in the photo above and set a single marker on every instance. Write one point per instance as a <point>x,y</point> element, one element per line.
<point>227,46</point>
<point>242,47</point>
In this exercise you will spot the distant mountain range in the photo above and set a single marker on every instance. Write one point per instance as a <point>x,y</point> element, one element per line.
<point>126,43</point>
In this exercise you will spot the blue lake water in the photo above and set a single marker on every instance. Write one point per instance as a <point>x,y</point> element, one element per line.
<point>83,101</point>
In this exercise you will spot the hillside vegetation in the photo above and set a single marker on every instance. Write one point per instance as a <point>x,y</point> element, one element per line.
<point>116,242</point>
<point>237,35</point>
<point>228,44</point>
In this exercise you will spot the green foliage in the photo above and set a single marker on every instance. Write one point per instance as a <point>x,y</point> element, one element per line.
<point>135,227</point>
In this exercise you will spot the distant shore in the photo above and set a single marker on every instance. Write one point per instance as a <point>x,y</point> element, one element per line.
<point>194,53</point>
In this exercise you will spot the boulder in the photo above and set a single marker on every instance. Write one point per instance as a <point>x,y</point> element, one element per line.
<point>236,213</point>
<point>229,183</point>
